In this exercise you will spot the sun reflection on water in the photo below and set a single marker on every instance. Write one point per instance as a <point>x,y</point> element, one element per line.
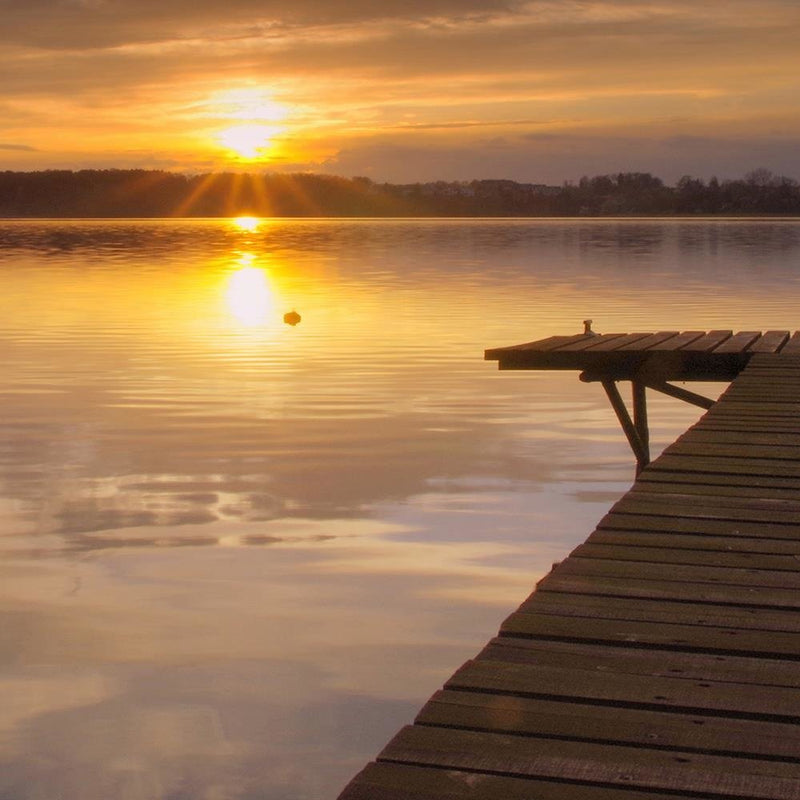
<point>249,224</point>
<point>249,293</point>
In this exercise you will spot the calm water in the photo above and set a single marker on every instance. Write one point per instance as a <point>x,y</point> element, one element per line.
<point>238,555</point>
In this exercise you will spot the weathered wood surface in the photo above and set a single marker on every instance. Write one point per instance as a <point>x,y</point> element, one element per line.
<point>661,658</point>
<point>666,355</point>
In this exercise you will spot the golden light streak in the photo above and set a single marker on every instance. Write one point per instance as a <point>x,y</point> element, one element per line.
<point>249,224</point>
<point>249,296</point>
<point>241,194</point>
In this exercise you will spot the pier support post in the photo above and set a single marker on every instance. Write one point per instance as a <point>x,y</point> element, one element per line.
<point>639,445</point>
<point>639,391</point>
<point>637,430</point>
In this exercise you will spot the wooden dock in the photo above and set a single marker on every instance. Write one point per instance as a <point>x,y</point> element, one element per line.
<point>661,659</point>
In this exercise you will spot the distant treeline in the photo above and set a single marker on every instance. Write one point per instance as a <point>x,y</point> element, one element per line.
<point>154,193</point>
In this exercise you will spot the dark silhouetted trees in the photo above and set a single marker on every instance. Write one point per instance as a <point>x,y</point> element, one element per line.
<point>156,193</point>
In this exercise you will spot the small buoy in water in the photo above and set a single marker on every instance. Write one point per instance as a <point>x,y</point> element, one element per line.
<point>291,318</point>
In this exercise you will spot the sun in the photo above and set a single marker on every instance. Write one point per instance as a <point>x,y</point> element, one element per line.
<point>248,141</point>
<point>253,118</point>
<point>249,224</point>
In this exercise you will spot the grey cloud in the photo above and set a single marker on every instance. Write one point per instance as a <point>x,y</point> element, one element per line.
<point>706,156</point>
<point>544,51</point>
<point>20,147</point>
<point>553,158</point>
<point>103,23</point>
<point>466,124</point>
<point>96,24</point>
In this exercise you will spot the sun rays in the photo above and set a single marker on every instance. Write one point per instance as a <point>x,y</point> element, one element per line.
<point>245,194</point>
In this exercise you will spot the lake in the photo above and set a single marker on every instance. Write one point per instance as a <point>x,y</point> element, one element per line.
<point>238,554</point>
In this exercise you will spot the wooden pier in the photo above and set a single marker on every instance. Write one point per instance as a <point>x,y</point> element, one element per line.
<point>661,659</point>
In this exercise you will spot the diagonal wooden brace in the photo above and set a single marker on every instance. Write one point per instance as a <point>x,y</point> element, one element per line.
<point>681,394</point>
<point>636,432</point>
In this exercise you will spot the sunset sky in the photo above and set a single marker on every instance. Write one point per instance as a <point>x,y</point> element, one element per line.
<point>403,90</point>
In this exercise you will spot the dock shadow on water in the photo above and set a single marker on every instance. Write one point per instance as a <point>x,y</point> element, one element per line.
<point>238,554</point>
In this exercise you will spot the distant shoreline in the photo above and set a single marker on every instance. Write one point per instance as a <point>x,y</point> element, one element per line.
<point>153,194</point>
<point>411,218</point>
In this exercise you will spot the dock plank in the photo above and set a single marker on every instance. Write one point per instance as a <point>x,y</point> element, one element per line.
<point>538,346</point>
<point>744,465</point>
<point>582,762</point>
<point>675,573</point>
<point>648,342</point>
<point>592,722</point>
<point>609,657</point>
<point>389,781</point>
<point>618,342</point>
<point>739,342</point>
<point>755,484</point>
<point>696,541</point>
<point>696,557</point>
<point>708,342</point>
<point>787,425</point>
<point>662,612</point>
<point>705,638</point>
<point>649,588</point>
<point>698,525</point>
<point>682,695</point>
<point>704,435</point>
<point>703,494</point>
<point>778,452</point>
<point>792,347</point>
<point>770,342</point>
<point>605,341</point>
<point>719,486</point>
<point>678,342</point>
<point>697,506</point>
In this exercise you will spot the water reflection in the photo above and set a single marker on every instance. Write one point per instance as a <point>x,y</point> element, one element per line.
<point>232,548</point>
<point>250,224</point>
<point>249,295</point>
